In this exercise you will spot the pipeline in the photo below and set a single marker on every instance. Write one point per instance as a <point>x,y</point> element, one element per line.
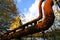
<point>45,24</point>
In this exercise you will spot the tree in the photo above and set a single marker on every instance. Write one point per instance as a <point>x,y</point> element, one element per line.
<point>8,12</point>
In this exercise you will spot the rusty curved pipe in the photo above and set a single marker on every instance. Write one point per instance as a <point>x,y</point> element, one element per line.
<point>43,25</point>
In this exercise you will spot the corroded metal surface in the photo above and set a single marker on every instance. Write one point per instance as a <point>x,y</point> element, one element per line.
<point>38,27</point>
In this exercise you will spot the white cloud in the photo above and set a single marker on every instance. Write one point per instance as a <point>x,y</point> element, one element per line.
<point>32,12</point>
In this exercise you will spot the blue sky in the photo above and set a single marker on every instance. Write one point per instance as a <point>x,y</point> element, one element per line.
<point>24,4</point>
<point>29,8</point>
